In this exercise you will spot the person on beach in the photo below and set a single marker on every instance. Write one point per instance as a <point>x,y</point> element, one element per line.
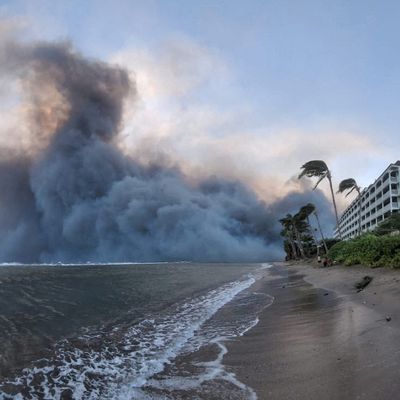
<point>327,262</point>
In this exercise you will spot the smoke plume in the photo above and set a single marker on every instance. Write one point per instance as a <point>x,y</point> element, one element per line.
<point>73,196</point>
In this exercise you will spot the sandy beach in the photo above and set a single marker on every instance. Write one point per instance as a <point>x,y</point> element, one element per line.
<point>321,339</point>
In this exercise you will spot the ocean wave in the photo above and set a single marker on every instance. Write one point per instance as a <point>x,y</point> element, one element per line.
<point>119,364</point>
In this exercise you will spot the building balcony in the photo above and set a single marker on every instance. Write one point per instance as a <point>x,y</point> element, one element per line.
<point>385,195</point>
<point>386,208</point>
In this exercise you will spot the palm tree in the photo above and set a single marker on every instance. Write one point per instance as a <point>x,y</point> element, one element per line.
<point>288,244</point>
<point>302,232</point>
<point>319,169</point>
<point>288,232</point>
<point>350,185</point>
<point>292,224</point>
<point>307,210</point>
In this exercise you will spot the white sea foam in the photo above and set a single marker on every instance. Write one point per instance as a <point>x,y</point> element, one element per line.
<point>173,334</point>
<point>216,332</point>
<point>211,370</point>
<point>266,266</point>
<point>122,363</point>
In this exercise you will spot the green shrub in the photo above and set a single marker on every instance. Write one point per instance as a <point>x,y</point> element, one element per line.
<point>370,250</point>
<point>395,263</point>
<point>336,250</point>
<point>351,260</point>
<point>391,224</point>
<point>384,261</point>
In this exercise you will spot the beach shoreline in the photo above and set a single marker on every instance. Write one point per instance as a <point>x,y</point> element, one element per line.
<point>321,338</point>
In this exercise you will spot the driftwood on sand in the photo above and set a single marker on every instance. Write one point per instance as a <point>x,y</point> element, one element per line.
<point>363,283</point>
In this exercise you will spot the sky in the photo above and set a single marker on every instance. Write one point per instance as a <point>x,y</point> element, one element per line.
<point>247,89</point>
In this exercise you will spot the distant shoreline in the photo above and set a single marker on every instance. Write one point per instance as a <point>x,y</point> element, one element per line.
<point>60,264</point>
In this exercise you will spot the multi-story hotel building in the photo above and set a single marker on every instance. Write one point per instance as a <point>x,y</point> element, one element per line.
<point>378,201</point>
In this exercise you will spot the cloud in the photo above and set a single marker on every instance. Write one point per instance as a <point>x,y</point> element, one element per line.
<point>157,163</point>
<point>175,68</point>
<point>181,118</point>
<point>77,197</point>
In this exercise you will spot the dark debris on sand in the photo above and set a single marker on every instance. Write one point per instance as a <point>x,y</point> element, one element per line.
<point>363,283</point>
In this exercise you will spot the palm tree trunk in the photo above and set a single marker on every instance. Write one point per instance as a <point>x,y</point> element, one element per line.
<point>312,232</point>
<point>320,232</point>
<point>298,238</point>
<point>293,246</point>
<point>334,205</point>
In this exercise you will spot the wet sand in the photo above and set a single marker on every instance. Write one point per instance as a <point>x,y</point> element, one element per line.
<point>321,339</point>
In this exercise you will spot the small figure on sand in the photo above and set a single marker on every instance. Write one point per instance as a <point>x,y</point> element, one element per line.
<point>327,262</point>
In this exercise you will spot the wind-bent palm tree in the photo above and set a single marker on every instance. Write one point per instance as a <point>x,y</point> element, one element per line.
<point>350,185</point>
<point>319,169</point>
<point>307,210</point>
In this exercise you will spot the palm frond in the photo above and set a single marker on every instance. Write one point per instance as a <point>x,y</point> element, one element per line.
<point>287,221</point>
<point>320,179</point>
<point>351,190</point>
<point>349,185</point>
<point>314,168</point>
<point>308,209</point>
<point>346,184</point>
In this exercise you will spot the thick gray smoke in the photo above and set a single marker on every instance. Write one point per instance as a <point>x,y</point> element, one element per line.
<point>78,198</point>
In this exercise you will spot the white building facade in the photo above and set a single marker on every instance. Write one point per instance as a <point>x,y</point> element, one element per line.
<point>378,201</point>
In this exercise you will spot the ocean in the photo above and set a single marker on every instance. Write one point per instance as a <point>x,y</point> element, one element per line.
<point>127,331</point>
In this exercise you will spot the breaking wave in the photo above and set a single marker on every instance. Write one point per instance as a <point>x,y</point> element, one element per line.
<point>122,363</point>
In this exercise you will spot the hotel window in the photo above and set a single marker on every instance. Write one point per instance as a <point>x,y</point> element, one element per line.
<point>386,189</point>
<point>385,178</point>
